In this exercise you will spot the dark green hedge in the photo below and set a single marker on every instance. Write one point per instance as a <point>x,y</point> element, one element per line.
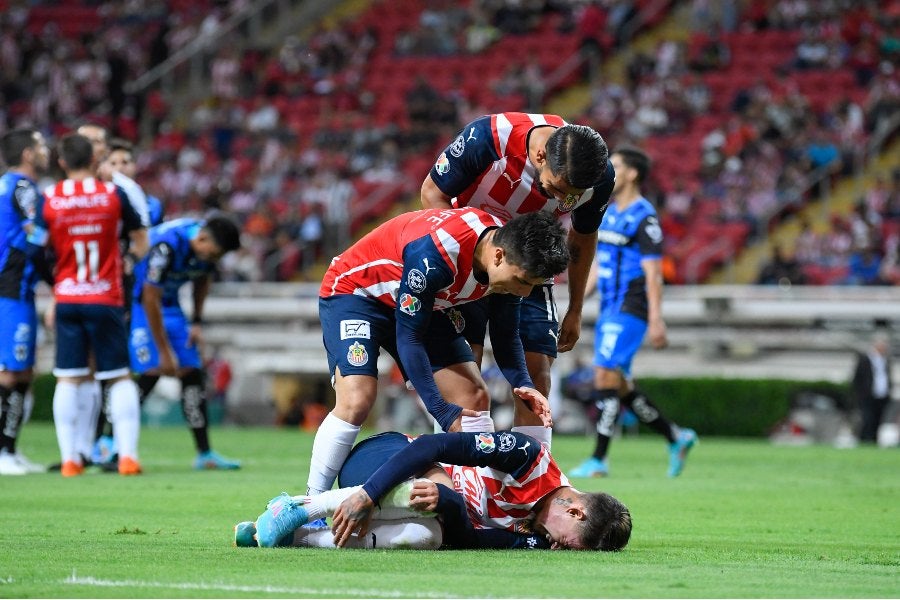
<point>712,406</point>
<point>733,407</point>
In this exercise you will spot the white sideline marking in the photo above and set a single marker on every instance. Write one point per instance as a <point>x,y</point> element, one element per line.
<point>266,589</point>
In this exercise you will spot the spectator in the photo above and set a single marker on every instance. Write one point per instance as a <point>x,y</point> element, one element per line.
<point>782,269</point>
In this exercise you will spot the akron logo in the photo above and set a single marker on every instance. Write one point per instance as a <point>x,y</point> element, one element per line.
<point>416,281</point>
<point>357,355</point>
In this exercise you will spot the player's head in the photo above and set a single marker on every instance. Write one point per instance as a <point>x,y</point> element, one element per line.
<point>576,158</point>
<point>218,236</point>
<point>98,138</point>
<point>574,520</point>
<point>632,167</point>
<point>75,153</point>
<point>25,148</point>
<point>121,157</point>
<point>528,249</point>
<point>607,525</point>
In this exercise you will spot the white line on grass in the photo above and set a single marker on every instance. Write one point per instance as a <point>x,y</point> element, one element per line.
<point>253,589</point>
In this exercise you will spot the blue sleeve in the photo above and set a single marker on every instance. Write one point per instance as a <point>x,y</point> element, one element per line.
<point>39,235</point>
<point>466,158</point>
<point>131,218</point>
<point>507,451</point>
<point>154,268</point>
<point>506,341</point>
<point>501,539</point>
<point>587,217</point>
<point>424,274</point>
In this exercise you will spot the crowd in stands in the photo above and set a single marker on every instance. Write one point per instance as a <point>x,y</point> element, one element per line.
<point>303,141</point>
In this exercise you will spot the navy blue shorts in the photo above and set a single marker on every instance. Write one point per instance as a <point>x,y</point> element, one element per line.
<point>81,328</point>
<point>18,333</point>
<point>356,328</point>
<point>538,321</point>
<point>368,455</point>
<point>142,348</point>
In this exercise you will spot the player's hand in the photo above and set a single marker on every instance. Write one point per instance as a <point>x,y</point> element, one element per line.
<point>424,495</point>
<point>569,331</point>
<point>656,329</point>
<point>537,402</point>
<point>457,424</point>
<point>352,516</point>
<point>168,362</point>
<point>195,338</point>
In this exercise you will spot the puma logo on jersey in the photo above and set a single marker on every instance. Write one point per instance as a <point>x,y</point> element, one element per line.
<point>512,183</point>
<point>522,448</point>
<point>427,268</point>
<point>471,135</point>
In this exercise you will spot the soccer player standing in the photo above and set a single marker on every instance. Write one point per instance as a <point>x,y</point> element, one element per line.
<point>630,284</point>
<point>161,341</point>
<point>26,154</point>
<point>80,218</point>
<point>400,288</point>
<point>510,164</point>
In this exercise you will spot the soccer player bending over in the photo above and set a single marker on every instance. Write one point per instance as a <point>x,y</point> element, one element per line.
<point>398,288</point>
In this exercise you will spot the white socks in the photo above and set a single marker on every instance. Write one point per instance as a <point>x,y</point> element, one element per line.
<point>418,534</point>
<point>394,504</point>
<point>88,410</point>
<point>480,424</point>
<point>65,418</point>
<point>125,416</point>
<point>542,434</point>
<point>333,443</point>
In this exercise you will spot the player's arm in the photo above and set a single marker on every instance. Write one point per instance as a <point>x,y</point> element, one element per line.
<point>200,292</point>
<point>649,238</point>
<point>582,240</point>
<point>29,204</point>
<point>158,263</point>
<point>134,222</point>
<point>460,164</point>
<point>415,302</point>
<point>510,356</point>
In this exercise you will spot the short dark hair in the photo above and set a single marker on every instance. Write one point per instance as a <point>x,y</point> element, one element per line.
<point>14,143</point>
<point>225,231</point>
<point>536,242</point>
<point>120,144</point>
<point>76,150</point>
<point>578,154</point>
<point>607,525</point>
<point>637,159</point>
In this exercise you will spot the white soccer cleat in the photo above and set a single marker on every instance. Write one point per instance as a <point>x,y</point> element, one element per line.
<point>10,466</point>
<point>31,467</point>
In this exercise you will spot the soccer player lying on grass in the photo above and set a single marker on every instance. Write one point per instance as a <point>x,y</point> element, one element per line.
<point>506,480</point>
<point>399,288</point>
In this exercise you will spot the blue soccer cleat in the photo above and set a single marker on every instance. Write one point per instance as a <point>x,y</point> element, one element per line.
<point>214,461</point>
<point>678,450</point>
<point>245,535</point>
<point>317,524</point>
<point>276,526</point>
<point>592,467</point>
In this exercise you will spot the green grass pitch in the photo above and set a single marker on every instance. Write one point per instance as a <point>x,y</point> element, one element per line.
<point>746,519</point>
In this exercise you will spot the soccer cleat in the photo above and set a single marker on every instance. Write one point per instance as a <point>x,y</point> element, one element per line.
<point>592,467</point>
<point>28,465</point>
<point>317,524</point>
<point>245,535</point>
<point>213,460</point>
<point>276,526</point>
<point>10,466</point>
<point>70,468</point>
<point>129,466</point>
<point>104,450</point>
<point>679,449</point>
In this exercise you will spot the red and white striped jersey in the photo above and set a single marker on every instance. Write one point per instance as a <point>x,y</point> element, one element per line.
<point>83,220</point>
<point>373,266</point>
<point>487,167</point>
<point>495,499</point>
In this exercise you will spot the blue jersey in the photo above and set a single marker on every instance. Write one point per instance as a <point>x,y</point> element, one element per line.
<point>626,238</point>
<point>171,261</point>
<point>19,197</point>
<point>155,209</point>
